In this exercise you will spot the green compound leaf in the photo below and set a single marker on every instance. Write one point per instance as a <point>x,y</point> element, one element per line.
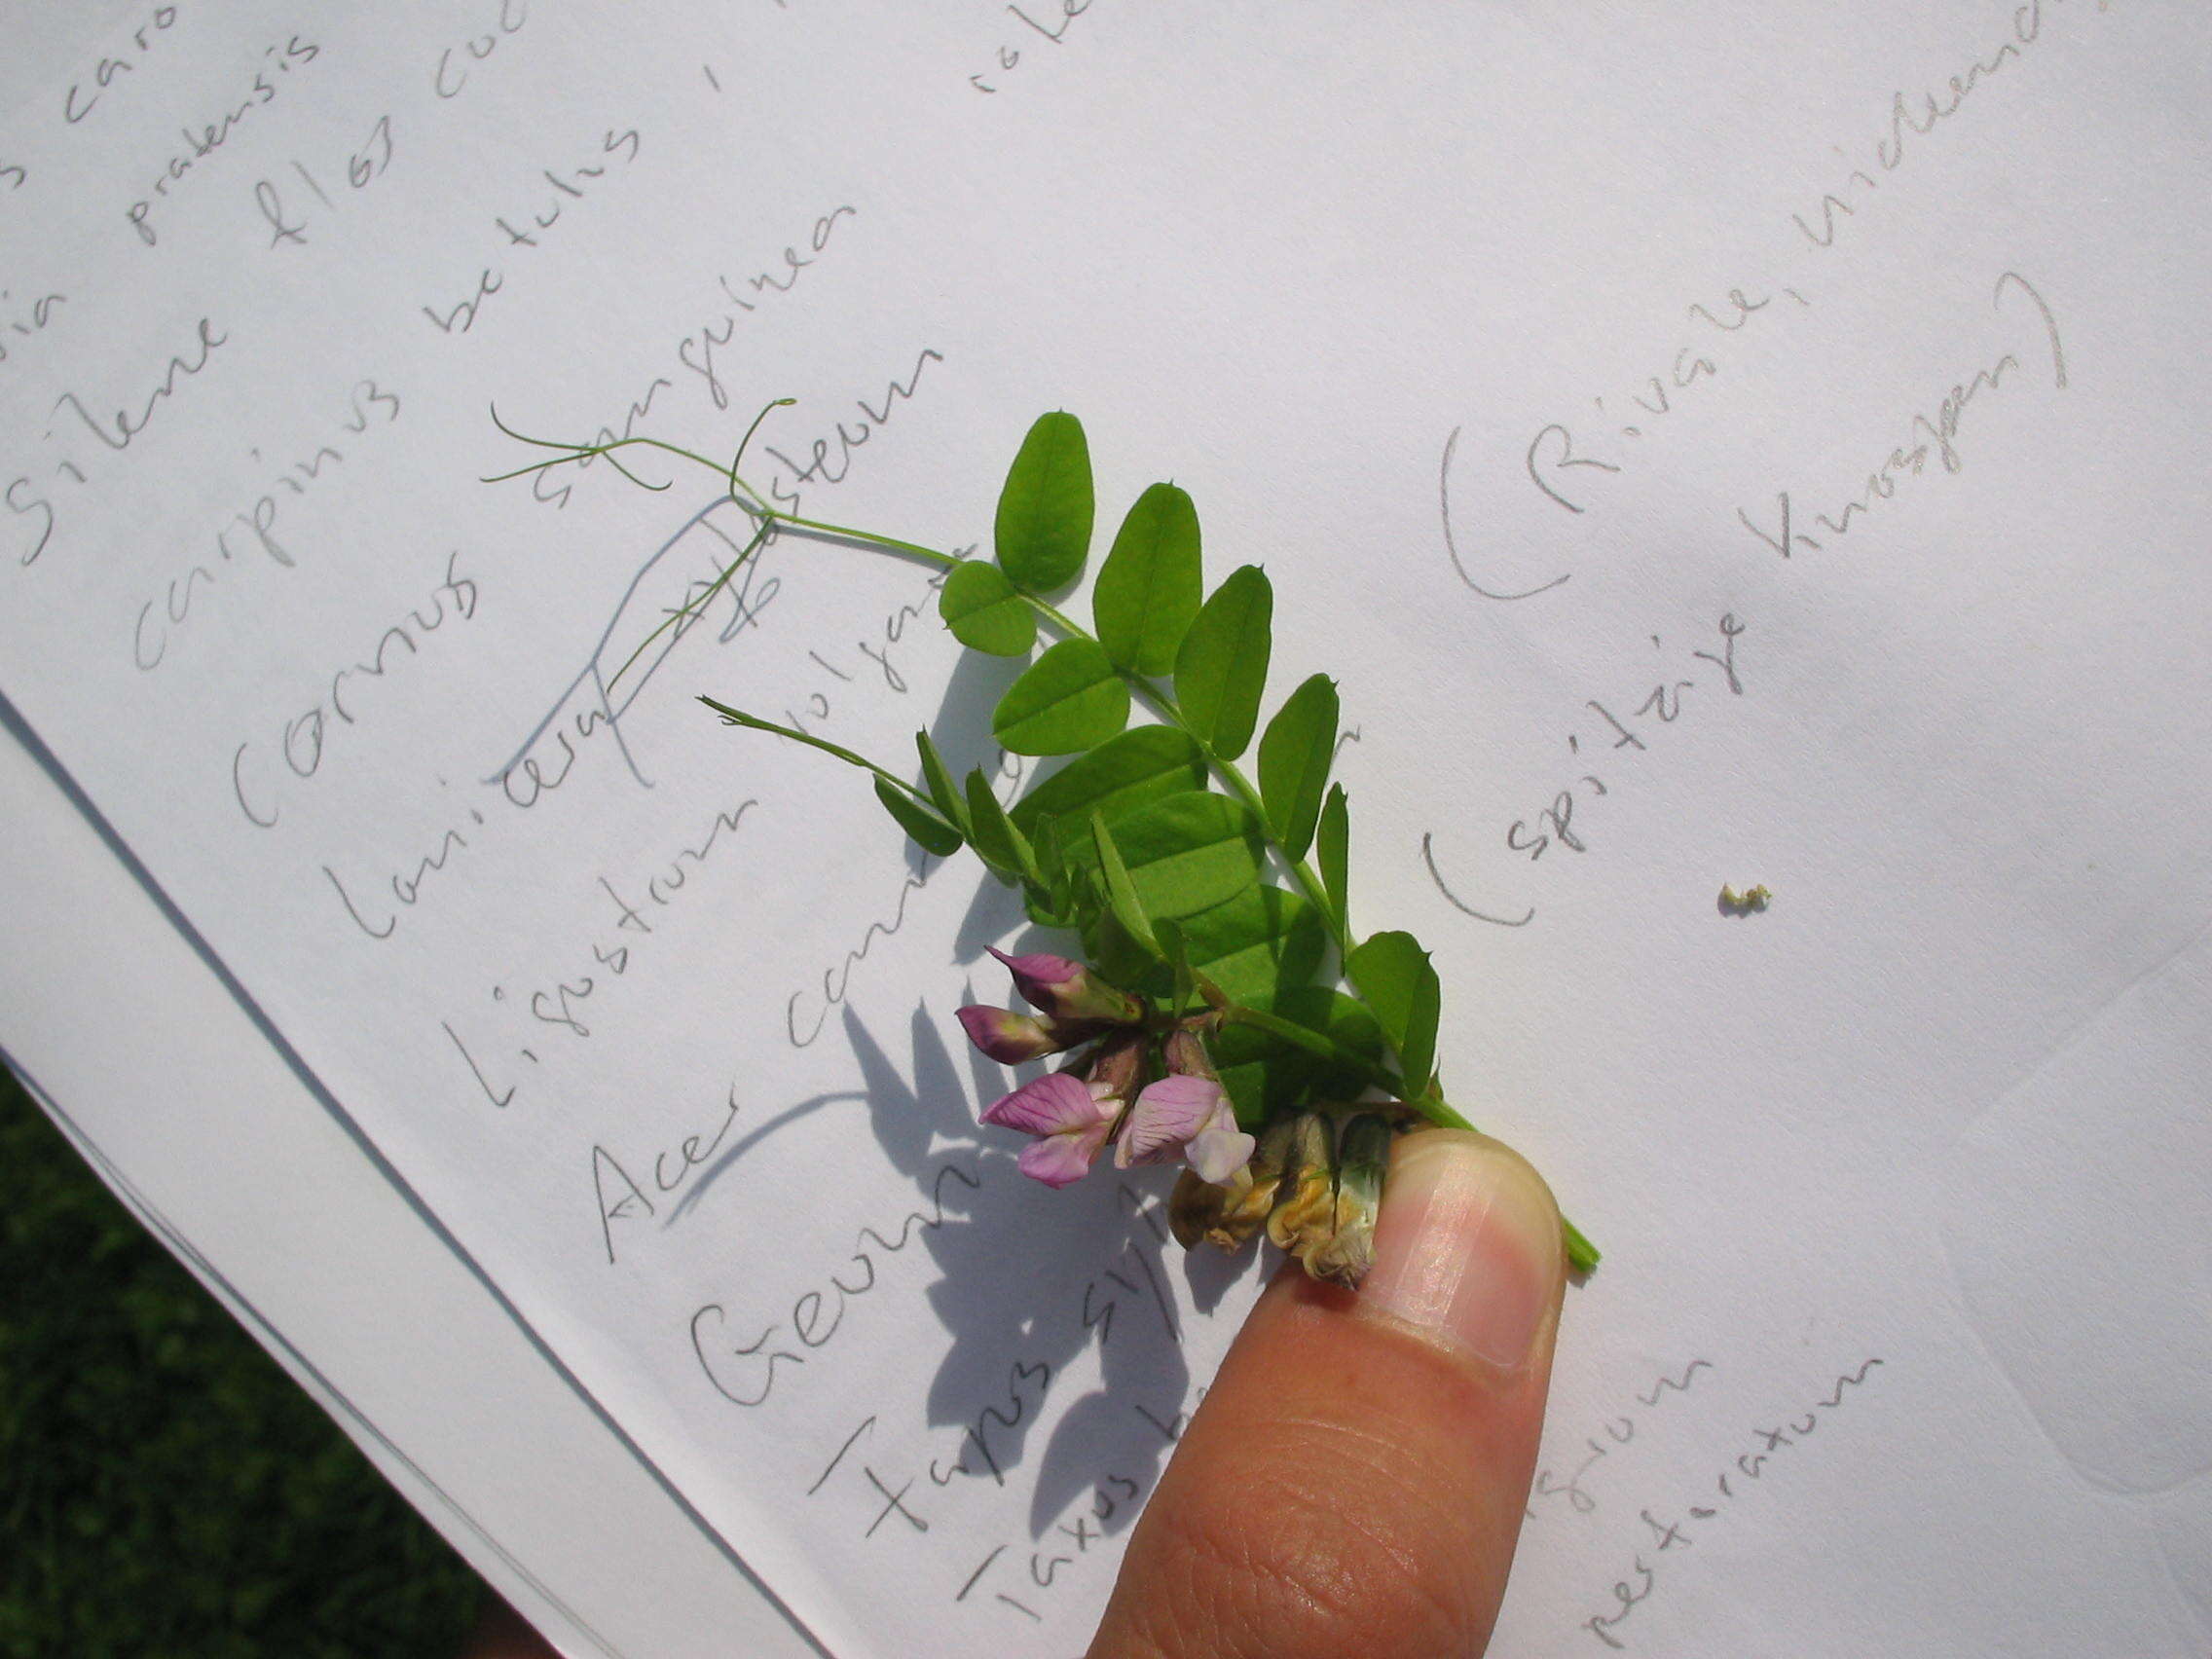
<point>1259,945</point>
<point>1068,699</point>
<point>937,779</point>
<point>1264,1074</point>
<point>1142,765</point>
<point>1396,977</point>
<point>1149,585</point>
<point>1332,847</point>
<point>934,834</point>
<point>1043,531</point>
<point>1121,892</point>
<point>1222,666</point>
<point>984,611</point>
<point>992,834</point>
<point>1295,752</point>
<point>1189,852</point>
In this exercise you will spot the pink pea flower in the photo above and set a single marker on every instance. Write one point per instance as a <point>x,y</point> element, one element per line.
<point>1188,1117</point>
<point>1070,1119</point>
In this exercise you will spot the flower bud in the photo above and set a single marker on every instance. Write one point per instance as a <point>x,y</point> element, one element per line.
<point>1063,990</point>
<point>1185,1052</point>
<point>1116,1063</point>
<point>1011,1038</point>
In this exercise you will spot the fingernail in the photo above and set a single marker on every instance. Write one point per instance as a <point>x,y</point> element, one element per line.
<point>1467,1248</point>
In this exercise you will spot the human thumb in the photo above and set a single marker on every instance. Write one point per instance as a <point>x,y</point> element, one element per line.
<point>1354,1480</point>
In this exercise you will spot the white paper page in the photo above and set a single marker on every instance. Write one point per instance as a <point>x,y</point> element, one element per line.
<point>1423,308</point>
<point>329,1268</point>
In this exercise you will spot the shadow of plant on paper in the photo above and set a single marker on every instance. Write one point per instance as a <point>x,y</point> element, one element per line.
<point>1028,1280</point>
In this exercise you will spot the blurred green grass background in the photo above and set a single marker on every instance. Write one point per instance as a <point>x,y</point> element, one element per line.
<point>167,1492</point>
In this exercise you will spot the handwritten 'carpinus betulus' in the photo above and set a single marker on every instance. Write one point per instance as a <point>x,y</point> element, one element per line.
<point>1224,1015</point>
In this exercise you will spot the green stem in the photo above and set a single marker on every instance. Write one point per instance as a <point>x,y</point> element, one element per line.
<point>692,607</point>
<point>890,543</point>
<point>1582,1256</point>
<point>738,717</point>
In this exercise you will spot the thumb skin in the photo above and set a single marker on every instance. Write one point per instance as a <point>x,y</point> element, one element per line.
<point>1356,1478</point>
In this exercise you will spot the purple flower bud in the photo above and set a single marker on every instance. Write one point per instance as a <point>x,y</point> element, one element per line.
<point>1185,1116</point>
<point>1069,1119</point>
<point>1011,1038</point>
<point>1067,990</point>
